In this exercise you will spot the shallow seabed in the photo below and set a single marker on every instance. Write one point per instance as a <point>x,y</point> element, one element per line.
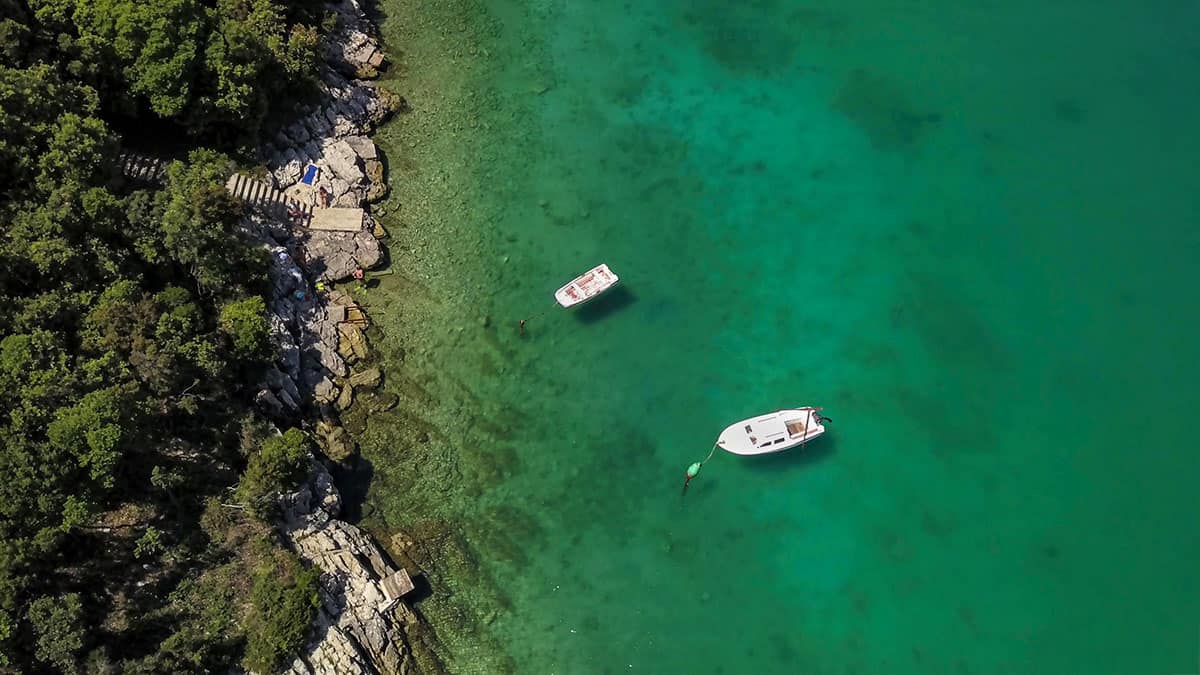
<point>970,231</point>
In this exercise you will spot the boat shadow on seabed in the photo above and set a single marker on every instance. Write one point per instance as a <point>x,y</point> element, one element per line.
<point>604,305</point>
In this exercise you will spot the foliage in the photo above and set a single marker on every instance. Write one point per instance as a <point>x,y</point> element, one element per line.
<point>211,607</point>
<point>278,465</point>
<point>132,332</point>
<point>284,607</point>
<point>199,217</point>
<point>90,431</point>
<point>244,323</point>
<point>32,101</point>
<point>58,624</point>
<point>206,617</point>
<point>258,595</point>
<point>6,631</point>
<point>202,64</point>
<point>216,520</point>
<point>165,479</point>
<point>150,544</point>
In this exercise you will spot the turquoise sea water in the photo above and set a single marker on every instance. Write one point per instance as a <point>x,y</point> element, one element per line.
<point>971,231</point>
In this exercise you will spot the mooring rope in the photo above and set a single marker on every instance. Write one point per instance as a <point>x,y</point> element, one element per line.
<point>521,325</point>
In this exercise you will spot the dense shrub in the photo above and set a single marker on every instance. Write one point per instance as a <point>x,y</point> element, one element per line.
<point>57,622</point>
<point>278,465</point>
<point>284,608</point>
<point>244,323</point>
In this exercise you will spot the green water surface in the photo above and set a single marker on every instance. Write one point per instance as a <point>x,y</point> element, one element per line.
<point>970,231</point>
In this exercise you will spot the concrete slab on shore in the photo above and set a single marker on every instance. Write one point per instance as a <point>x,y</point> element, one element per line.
<point>337,219</point>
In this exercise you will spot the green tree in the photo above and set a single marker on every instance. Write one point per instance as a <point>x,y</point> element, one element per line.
<point>78,152</point>
<point>252,48</point>
<point>202,63</point>
<point>91,431</point>
<point>168,46</point>
<point>34,371</point>
<point>58,624</point>
<point>32,103</point>
<point>244,323</point>
<point>200,219</point>
<point>143,213</point>
<point>149,544</point>
<point>14,33</point>
<point>131,326</point>
<point>76,511</point>
<point>151,47</point>
<point>285,603</point>
<point>278,465</point>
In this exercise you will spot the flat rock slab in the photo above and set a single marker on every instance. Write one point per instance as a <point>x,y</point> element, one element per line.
<point>337,219</point>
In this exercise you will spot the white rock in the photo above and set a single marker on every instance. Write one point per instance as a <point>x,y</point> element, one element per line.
<point>363,147</point>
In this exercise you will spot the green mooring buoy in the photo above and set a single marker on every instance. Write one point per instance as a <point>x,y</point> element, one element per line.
<point>694,469</point>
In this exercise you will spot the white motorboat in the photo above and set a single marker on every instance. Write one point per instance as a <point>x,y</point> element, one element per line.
<point>772,432</point>
<point>586,286</point>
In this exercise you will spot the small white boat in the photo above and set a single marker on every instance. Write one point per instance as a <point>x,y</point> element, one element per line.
<point>586,286</point>
<point>772,432</point>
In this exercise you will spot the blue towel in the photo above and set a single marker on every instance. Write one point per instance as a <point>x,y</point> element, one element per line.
<point>310,175</point>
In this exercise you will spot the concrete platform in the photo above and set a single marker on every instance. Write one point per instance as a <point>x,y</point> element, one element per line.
<point>336,219</point>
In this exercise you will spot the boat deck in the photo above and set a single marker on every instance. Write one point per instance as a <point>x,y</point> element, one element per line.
<point>586,286</point>
<point>772,432</point>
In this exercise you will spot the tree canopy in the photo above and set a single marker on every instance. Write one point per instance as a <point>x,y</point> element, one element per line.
<point>211,66</point>
<point>133,331</point>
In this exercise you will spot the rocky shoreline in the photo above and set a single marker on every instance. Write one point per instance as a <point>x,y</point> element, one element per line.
<point>363,625</point>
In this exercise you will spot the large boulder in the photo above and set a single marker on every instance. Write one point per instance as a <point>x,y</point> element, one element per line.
<point>346,398</point>
<point>377,187</point>
<point>366,379</point>
<point>352,342</point>
<point>319,334</point>
<point>280,382</point>
<point>269,403</point>
<point>289,351</point>
<point>343,252</point>
<point>325,391</point>
<point>379,401</point>
<point>362,146</point>
<point>335,441</point>
<point>341,159</point>
<point>292,402</point>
